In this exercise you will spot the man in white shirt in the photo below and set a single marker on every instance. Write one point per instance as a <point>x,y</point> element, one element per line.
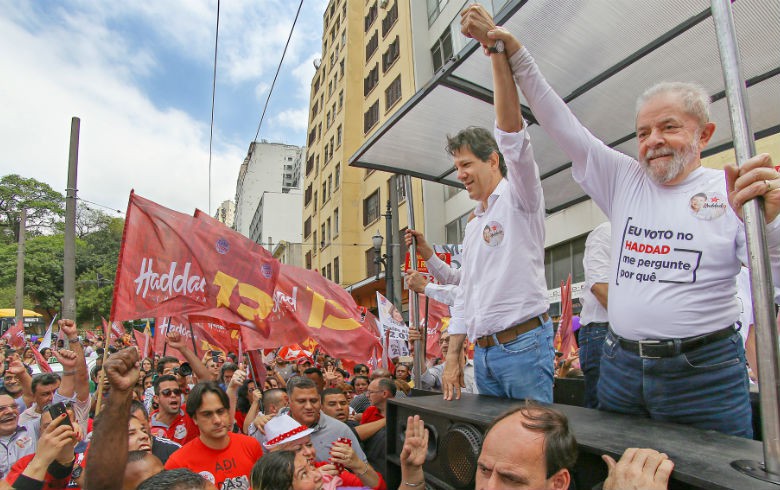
<point>501,299</point>
<point>672,353</point>
<point>593,317</point>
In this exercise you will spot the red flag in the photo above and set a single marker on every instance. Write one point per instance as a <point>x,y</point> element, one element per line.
<point>42,364</point>
<point>140,341</point>
<point>437,322</point>
<point>91,336</point>
<point>174,264</point>
<point>15,336</point>
<point>257,367</point>
<point>112,332</point>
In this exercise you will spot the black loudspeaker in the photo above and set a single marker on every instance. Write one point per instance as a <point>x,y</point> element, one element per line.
<point>702,458</point>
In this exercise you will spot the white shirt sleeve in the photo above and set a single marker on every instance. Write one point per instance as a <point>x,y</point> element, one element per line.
<point>457,324</point>
<point>522,171</point>
<point>596,260</point>
<point>443,293</point>
<point>443,273</point>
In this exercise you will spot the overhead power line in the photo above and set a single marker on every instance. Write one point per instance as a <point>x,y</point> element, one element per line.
<point>278,69</point>
<point>213,96</point>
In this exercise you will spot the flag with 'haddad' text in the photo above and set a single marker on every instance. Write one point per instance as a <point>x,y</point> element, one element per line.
<point>172,264</point>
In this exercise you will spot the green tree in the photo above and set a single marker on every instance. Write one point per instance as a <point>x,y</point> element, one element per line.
<point>44,205</point>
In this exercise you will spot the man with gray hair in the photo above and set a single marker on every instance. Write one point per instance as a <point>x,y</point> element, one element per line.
<point>672,352</point>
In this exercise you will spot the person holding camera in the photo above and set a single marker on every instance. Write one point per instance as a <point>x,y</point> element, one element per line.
<point>170,420</point>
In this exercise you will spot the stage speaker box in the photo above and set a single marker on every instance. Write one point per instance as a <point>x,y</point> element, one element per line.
<point>456,431</point>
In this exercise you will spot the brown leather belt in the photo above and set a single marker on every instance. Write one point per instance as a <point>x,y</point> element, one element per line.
<point>510,333</point>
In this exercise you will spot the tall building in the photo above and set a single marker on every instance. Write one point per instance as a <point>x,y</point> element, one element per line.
<point>226,213</point>
<point>268,167</point>
<point>277,218</point>
<point>365,74</point>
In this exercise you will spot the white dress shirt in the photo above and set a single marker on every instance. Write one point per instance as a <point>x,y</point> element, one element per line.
<point>596,265</point>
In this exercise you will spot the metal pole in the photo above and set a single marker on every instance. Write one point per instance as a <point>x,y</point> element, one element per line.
<point>414,309</point>
<point>758,255</point>
<point>69,263</point>
<point>389,266</point>
<point>19,304</point>
<point>394,244</point>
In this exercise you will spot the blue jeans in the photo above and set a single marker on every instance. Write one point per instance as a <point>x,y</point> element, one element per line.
<point>520,369</point>
<point>706,387</point>
<point>591,339</point>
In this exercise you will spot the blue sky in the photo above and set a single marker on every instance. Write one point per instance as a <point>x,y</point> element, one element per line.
<point>138,74</point>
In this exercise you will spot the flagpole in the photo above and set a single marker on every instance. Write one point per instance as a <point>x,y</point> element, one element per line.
<point>414,312</point>
<point>192,336</point>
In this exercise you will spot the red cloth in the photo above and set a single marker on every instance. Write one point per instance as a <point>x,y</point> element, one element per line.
<point>352,480</point>
<point>240,418</point>
<point>181,430</point>
<point>226,468</point>
<point>371,415</point>
<point>49,481</point>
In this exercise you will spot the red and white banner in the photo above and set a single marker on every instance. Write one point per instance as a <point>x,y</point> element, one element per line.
<point>436,322</point>
<point>112,332</point>
<point>15,335</point>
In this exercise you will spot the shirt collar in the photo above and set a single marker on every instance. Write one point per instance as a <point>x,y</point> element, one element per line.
<point>500,188</point>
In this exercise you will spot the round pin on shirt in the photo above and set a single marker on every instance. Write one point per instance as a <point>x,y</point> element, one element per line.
<point>493,234</point>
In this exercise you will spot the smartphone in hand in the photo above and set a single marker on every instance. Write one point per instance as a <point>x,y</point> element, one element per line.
<point>58,409</point>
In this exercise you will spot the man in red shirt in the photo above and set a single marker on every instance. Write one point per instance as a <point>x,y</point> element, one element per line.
<point>170,421</point>
<point>222,457</point>
<point>378,392</point>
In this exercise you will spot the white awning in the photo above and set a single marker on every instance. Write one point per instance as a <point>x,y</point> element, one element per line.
<point>599,55</point>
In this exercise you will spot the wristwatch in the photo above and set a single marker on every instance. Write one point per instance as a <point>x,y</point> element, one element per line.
<point>498,47</point>
<point>74,340</point>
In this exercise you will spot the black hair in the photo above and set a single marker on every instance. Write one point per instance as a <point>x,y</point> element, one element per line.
<point>243,402</point>
<point>354,380</point>
<point>178,479</point>
<point>44,379</point>
<point>313,370</point>
<point>330,391</point>
<point>228,366</point>
<point>138,406</point>
<point>479,141</point>
<point>163,361</point>
<point>359,367</point>
<point>162,379</point>
<point>274,471</point>
<point>300,382</point>
<point>195,398</point>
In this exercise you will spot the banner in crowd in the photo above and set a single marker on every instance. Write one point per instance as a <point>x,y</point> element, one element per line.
<point>198,271</point>
<point>113,331</point>
<point>171,264</point>
<point>201,337</point>
<point>15,335</point>
<point>393,327</point>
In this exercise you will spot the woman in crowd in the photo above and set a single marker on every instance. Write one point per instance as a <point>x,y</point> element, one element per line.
<point>284,470</point>
<point>244,402</point>
<point>360,384</point>
<point>147,365</point>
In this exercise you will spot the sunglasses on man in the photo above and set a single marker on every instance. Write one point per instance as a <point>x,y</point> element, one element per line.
<point>169,392</point>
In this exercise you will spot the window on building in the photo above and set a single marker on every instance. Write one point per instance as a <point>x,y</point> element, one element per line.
<point>337,176</point>
<point>336,272</point>
<point>370,17</point>
<point>393,93</point>
<point>400,189</point>
<point>329,273</point>
<point>389,21</point>
<point>327,231</point>
<point>336,222</point>
<point>327,120</point>
<point>371,80</point>
<point>332,146</point>
<point>338,136</point>
<point>434,9</point>
<point>344,32</point>
<point>564,259</point>
<point>322,234</point>
<point>341,68</point>
<point>371,46</point>
<point>308,260</point>
<point>307,228</point>
<point>330,184</point>
<point>315,245</point>
<point>371,117</point>
<point>315,200</point>
<point>455,229</point>
<point>341,100</point>
<point>389,56</point>
<point>323,273</point>
<point>371,208</point>
<point>442,50</point>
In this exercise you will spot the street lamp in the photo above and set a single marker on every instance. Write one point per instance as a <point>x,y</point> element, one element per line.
<point>387,258</point>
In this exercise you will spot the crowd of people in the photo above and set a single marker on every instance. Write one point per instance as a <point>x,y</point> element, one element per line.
<point>659,336</point>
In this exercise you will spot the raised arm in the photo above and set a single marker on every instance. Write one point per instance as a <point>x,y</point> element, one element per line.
<point>179,343</point>
<point>108,449</point>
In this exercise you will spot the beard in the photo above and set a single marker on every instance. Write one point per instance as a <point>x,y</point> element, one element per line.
<point>663,174</point>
